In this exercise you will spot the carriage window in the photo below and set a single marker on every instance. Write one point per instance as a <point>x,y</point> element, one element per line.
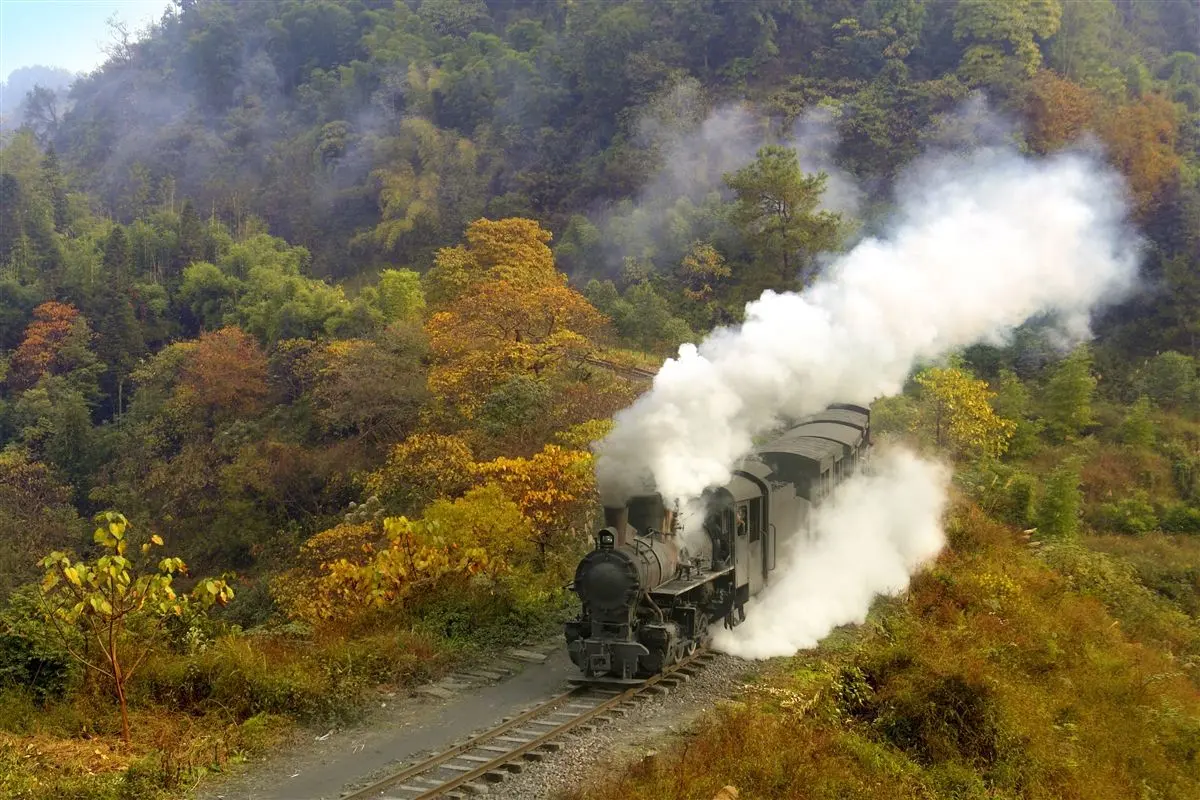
<point>742,513</point>
<point>755,519</point>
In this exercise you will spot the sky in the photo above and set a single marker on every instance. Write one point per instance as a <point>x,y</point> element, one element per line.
<point>65,33</point>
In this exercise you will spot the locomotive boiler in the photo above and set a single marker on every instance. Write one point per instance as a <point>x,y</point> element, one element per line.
<point>647,598</point>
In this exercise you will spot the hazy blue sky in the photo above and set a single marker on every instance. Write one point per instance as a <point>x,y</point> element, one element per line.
<point>65,33</point>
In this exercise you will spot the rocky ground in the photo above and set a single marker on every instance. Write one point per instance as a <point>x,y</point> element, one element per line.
<point>646,729</point>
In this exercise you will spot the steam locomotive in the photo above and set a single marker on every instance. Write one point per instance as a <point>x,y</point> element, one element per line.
<point>648,601</point>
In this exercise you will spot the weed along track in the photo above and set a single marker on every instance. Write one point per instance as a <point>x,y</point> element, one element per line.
<point>467,768</point>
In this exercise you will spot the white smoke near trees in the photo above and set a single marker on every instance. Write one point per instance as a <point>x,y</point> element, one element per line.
<point>698,145</point>
<point>874,532</point>
<point>979,243</point>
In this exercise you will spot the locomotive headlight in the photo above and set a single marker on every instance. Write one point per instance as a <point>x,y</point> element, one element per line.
<point>607,540</point>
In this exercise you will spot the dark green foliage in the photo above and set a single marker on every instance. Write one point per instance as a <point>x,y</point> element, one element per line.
<point>776,210</point>
<point>32,654</point>
<point>521,403</point>
<point>1181,518</point>
<point>1169,379</point>
<point>1133,514</point>
<point>1060,504</point>
<point>1137,429</point>
<point>1067,397</point>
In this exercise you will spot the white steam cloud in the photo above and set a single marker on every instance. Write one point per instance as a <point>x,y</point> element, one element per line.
<point>875,531</point>
<point>980,243</point>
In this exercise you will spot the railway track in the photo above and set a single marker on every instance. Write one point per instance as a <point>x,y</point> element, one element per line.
<point>468,767</point>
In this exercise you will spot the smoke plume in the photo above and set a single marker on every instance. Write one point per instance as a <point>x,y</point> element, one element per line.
<point>979,243</point>
<point>875,530</point>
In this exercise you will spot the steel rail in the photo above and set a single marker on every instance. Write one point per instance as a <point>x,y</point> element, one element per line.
<point>510,755</point>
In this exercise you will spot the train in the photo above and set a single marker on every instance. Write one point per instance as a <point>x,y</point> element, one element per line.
<point>649,593</point>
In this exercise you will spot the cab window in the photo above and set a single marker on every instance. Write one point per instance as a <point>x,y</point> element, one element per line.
<point>743,514</point>
<point>755,520</point>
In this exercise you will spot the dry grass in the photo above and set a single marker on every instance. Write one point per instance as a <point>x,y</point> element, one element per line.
<point>994,678</point>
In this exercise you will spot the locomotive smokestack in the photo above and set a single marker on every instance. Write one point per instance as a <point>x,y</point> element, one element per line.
<point>617,517</point>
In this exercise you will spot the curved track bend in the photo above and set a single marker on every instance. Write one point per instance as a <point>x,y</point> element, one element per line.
<point>468,767</point>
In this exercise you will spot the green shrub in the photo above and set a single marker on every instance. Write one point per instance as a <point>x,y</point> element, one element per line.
<point>1170,380</point>
<point>1137,429</point>
<point>1132,514</point>
<point>32,654</point>
<point>1181,518</point>
<point>1058,508</point>
<point>1185,470</point>
<point>17,709</point>
<point>1001,490</point>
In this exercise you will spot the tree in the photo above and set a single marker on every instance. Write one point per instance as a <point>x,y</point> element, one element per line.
<point>57,186</point>
<point>41,113</point>
<point>225,375</point>
<point>1058,509</point>
<point>1170,380</point>
<point>777,211</point>
<point>400,296</point>
<point>44,348</point>
<point>1137,429</point>
<point>1001,38</point>
<point>209,295</point>
<point>1059,111</point>
<point>120,606</point>
<point>1067,399</point>
<point>958,407</point>
<point>553,489</point>
<point>421,469</point>
<point>37,517</point>
<point>481,535</point>
<point>118,264</point>
<point>499,331</point>
<point>11,229</point>
<point>701,271</point>
<point>506,311</point>
<point>370,389</point>
<point>1140,137</point>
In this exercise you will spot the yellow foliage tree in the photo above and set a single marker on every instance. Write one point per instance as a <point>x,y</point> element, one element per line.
<point>514,250</point>
<point>423,468</point>
<point>552,489</point>
<point>501,330</point>
<point>478,539</point>
<point>503,311</point>
<point>958,408</point>
<point>581,436</point>
<point>299,591</point>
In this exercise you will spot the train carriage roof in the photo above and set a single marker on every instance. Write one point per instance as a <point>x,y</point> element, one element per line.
<point>735,489</point>
<point>845,434</point>
<point>840,416</point>
<point>821,452</point>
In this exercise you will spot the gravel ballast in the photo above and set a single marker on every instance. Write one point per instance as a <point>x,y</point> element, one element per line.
<point>646,729</point>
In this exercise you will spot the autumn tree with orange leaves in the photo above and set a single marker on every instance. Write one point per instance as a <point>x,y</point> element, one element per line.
<point>1139,135</point>
<point>505,311</point>
<point>553,489</point>
<point>46,338</point>
<point>225,374</point>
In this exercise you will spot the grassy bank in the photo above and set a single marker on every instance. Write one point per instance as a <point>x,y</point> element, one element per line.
<point>1009,670</point>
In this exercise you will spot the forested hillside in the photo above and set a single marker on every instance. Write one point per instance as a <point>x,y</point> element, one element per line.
<point>329,300</point>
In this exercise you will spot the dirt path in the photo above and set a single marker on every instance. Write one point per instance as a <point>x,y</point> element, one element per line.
<point>322,765</point>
